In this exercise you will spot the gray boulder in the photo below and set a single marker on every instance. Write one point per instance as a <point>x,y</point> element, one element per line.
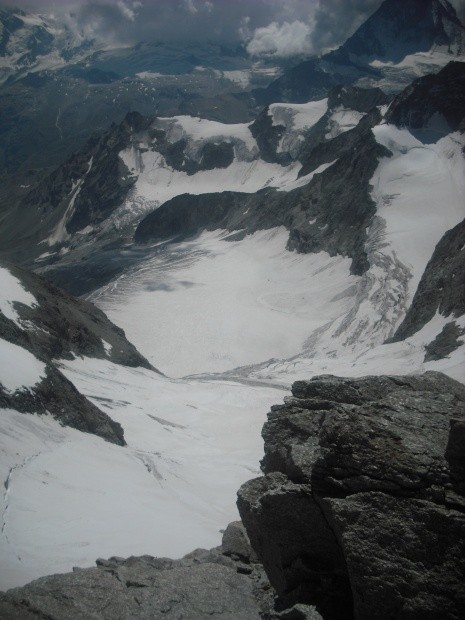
<point>362,502</point>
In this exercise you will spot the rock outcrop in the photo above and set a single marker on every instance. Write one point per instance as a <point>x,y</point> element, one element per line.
<point>223,583</point>
<point>62,326</point>
<point>434,102</point>
<point>362,506</point>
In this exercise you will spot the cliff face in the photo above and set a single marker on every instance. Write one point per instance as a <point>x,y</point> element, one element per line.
<point>363,499</point>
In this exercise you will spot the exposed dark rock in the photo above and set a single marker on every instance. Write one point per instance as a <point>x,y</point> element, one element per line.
<point>236,543</point>
<point>204,584</point>
<point>402,27</point>
<point>214,156</point>
<point>317,151</point>
<point>268,136</point>
<point>358,99</point>
<point>57,327</point>
<point>362,503</point>
<point>445,343</point>
<point>58,396</point>
<point>360,513</point>
<point>308,81</point>
<point>64,326</point>
<point>396,29</point>
<point>442,286</point>
<point>331,213</point>
<point>209,156</point>
<point>435,102</point>
<point>298,612</point>
<point>91,183</point>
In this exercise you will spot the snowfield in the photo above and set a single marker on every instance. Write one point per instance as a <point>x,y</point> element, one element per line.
<point>209,305</point>
<point>420,194</point>
<point>240,321</point>
<point>11,292</point>
<point>19,369</point>
<point>70,497</point>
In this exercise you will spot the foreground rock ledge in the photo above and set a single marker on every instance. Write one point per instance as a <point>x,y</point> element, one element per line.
<point>360,513</point>
<point>362,506</point>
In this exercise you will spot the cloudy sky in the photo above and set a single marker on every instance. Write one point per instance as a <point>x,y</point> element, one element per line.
<point>272,27</point>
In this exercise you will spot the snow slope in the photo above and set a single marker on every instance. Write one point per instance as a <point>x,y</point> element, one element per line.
<point>19,369</point>
<point>158,182</point>
<point>209,305</point>
<point>12,291</point>
<point>70,497</point>
<point>227,304</point>
<point>251,312</point>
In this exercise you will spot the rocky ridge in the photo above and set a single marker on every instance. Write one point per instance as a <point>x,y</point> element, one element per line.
<point>441,288</point>
<point>317,215</point>
<point>225,583</point>
<point>58,326</point>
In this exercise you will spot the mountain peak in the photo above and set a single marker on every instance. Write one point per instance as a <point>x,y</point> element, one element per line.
<point>402,27</point>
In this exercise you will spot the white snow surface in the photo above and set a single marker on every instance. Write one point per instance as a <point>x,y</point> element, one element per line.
<point>11,291</point>
<point>226,303</point>
<point>19,369</point>
<point>262,316</point>
<point>71,497</point>
<point>420,194</point>
<point>342,120</point>
<point>157,182</point>
<point>298,116</point>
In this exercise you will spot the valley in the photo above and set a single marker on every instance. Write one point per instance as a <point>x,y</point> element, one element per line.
<point>190,234</point>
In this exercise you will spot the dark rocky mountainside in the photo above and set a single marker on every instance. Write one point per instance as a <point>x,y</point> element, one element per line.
<point>82,192</point>
<point>331,212</point>
<point>442,287</point>
<point>363,498</point>
<point>436,101</point>
<point>402,27</point>
<point>396,29</point>
<point>360,513</point>
<point>64,326</point>
<point>57,327</point>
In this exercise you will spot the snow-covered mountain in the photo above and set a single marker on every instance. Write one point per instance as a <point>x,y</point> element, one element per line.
<point>325,236</point>
<point>154,470</point>
<point>401,41</point>
<point>30,43</point>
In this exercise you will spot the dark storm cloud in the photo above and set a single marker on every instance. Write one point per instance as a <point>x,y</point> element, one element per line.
<point>132,21</point>
<point>274,27</point>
